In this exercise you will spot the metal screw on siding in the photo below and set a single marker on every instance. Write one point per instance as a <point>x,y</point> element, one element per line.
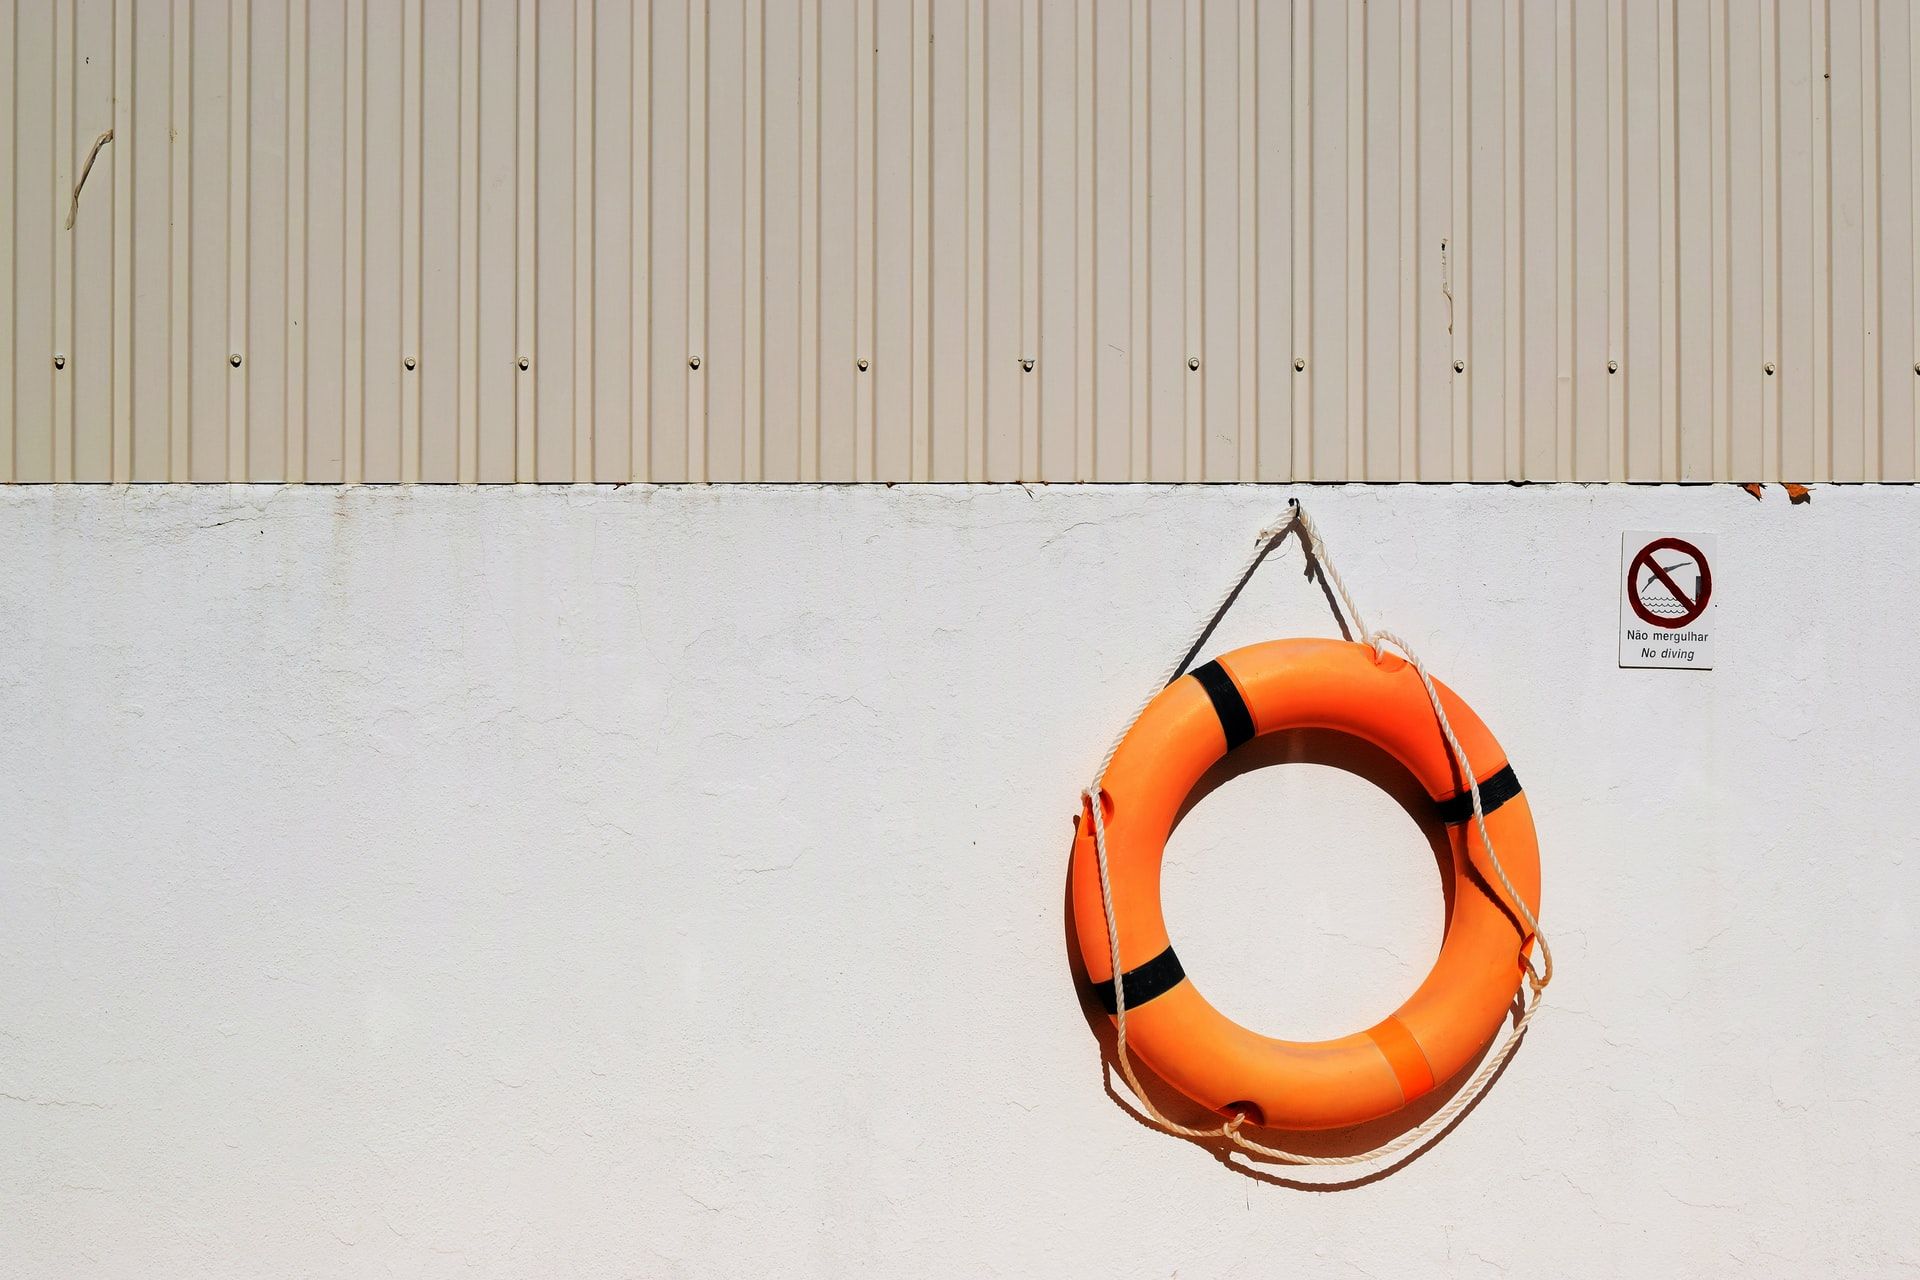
<point>524,363</point>
<point>1026,364</point>
<point>410,362</point>
<point>1916,368</point>
<point>59,362</point>
<point>1193,362</point>
<point>1299,364</point>
<point>861,363</point>
<point>1613,366</point>
<point>1769,368</point>
<point>234,359</point>
<point>693,362</point>
<point>1459,366</point>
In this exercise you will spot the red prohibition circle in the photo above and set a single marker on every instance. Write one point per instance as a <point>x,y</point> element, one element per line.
<point>1690,609</point>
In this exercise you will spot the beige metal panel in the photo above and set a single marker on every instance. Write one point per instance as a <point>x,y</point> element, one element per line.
<point>840,237</point>
<point>382,347</point>
<point>35,222</point>
<point>672,275</point>
<point>1740,383</point>
<point>1802,199</point>
<point>779,395</point>
<point>1441,318</point>
<point>9,221</point>
<point>1852,146</point>
<point>441,433</point>
<point>556,341</point>
<point>725,367</point>
<point>738,240</point>
<point>91,246</point>
<point>497,347</point>
<point>1543,327</point>
<point>1898,227</point>
<point>1056,336</point>
<point>611,260</point>
<point>897,331</point>
<point>324,249</point>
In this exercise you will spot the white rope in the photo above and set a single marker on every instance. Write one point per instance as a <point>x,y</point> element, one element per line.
<point>1537,978</point>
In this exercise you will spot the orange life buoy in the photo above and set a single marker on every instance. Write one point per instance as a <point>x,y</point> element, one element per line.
<point>1457,1010</point>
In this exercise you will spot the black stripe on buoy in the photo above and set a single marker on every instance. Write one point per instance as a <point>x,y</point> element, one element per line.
<point>1227,703</point>
<point>1495,790</point>
<point>1154,978</point>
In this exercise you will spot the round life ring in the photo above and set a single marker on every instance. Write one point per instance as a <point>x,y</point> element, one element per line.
<point>1457,1010</point>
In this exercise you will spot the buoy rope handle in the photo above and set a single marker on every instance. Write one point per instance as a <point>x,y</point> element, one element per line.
<point>1537,977</point>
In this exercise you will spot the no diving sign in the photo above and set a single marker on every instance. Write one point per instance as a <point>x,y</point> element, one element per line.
<point>1666,600</point>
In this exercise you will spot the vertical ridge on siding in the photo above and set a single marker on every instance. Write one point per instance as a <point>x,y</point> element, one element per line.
<point>607,456</point>
<point>1872,412</point>
<point>640,249</point>
<point>293,257</point>
<point>1139,247</point>
<point>752,234</point>
<point>64,69</point>
<point>1432,357</point>
<point>1166,255</point>
<point>1458,262</point>
<point>92,241</point>
<point>1190,161</point>
<point>894,291</point>
<point>1741,293</point>
<point>736,240</point>
<point>1245,423</point>
<point>807,436</point>
<point>510,451</point>
<point>353,314</point>
<point>325,240</point>
<point>1410,265</point>
<point>471,267</point>
<point>580,451</point>
<point>492,448</point>
<point>1032,194</point>
<point>1217,232</point>
<point>1719,446</point>
<point>950,215</point>
<point>1770,252</point>
<point>1899,230</point>
<point>10,356</point>
<point>180,244</point>
<point>381,358</point>
<point>1911,207</point>
<point>1354,424</point>
<point>1374,446</point>
<point>726,281</point>
<point>921,296</point>
<point>866,226</point>
<point>1820,162</point>
<point>412,232</point>
<point>121,468</point>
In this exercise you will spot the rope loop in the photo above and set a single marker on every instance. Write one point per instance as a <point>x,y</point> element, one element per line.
<point>1537,975</point>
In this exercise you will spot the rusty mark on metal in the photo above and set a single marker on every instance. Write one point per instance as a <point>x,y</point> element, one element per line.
<point>73,210</point>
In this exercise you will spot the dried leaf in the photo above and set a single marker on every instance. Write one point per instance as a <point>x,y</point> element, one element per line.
<point>1798,493</point>
<point>1753,489</point>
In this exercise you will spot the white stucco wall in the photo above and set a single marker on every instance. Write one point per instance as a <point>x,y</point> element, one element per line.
<point>646,882</point>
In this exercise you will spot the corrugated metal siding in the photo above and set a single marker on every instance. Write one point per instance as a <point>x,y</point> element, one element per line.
<point>393,240</point>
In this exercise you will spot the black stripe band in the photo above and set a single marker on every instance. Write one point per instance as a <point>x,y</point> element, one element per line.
<point>1154,978</point>
<point>1494,792</point>
<point>1227,703</point>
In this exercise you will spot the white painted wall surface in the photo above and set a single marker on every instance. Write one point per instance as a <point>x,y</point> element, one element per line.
<point>669,883</point>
